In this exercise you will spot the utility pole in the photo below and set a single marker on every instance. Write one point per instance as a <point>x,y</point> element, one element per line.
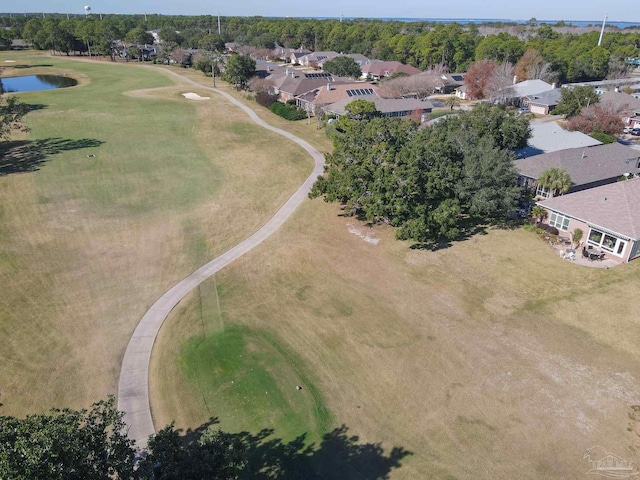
<point>602,31</point>
<point>218,24</point>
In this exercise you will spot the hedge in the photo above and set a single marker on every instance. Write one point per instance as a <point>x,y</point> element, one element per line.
<point>288,112</point>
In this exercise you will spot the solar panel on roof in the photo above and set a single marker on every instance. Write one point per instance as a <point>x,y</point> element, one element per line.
<point>360,91</point>
<point>457,78</point>
<point>317,75</point>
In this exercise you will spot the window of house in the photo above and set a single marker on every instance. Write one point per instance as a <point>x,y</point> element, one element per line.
<point>543,191</point>
<point>559,221</point>
<point>595,237</point>
<point>607,242</point>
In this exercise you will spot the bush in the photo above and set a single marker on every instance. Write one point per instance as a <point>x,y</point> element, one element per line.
<point>602,137</point>
<point>547,228</point>
<point>266,99</point>
<point>288,112</point>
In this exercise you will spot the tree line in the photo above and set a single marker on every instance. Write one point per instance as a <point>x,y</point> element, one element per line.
<point>432,184</point>
<point>572,57</point>
<point>91,444</point>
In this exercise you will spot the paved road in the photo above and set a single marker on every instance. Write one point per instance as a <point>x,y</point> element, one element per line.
<point>133,386</point>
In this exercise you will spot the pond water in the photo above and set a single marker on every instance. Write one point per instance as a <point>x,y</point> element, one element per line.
<point>31,83</point>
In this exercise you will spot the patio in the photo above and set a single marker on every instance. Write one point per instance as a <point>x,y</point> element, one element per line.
<point>579,259</point>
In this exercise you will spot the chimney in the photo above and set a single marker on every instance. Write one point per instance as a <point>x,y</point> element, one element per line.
<point>554,86</point>
<point>328,85</point>
<point>287,71</point>
<point>617,90</point>
<point>515,79</point>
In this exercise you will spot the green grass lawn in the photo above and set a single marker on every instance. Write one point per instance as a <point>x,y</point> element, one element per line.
<point>121,189</point>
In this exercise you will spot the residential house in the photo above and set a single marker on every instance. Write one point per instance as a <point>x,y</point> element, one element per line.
<point>587,167</point>
<point>634,120</point>
<point>291,83</point>
<point>550,137</point>
<point>378,70</point>
<point>20,44</point>
<point>521,90</point>
<point>602,86</point>
<point>295,56</point>
<point>388,107</point>
<point>265,69</point>
<point>608,216</point>
<point>542,103</point>
<point>620,102</point>
<point>450,82</point>
<point>155,34</point>
<point>332,93</point>
<point>316,59</point>
<point>358,58</point>
<point>461,92</point>
<point>289,55</point>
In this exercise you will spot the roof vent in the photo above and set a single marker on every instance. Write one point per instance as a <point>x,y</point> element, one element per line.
<point>584,154</point>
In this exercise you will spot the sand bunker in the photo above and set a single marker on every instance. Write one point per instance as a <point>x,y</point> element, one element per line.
<point>194,96</point>
<point>9,61</point>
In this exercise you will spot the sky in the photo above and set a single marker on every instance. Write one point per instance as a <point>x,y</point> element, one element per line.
<point>617,10</point>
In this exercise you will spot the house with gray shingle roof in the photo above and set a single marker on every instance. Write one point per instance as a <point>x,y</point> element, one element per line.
<point>292,83</point>
<point>378,70</point>
<point>544,102</point>
<point>331,93</point>
<point>317,59</point>
<point>388,107</point>
<point>550,137</point>
<point>622,103</point>
<point>530,87</point>
<point>608,215</point>
<point>587,167</point>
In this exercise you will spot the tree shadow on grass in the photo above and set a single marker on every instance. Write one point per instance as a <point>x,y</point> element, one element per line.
<point>28,155</point>
<point>32,107</point>
<point>32,66</point>
<point>337,455</point>
<point>468,227</point>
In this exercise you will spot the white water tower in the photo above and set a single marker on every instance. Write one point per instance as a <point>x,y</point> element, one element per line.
<point>87,10</point>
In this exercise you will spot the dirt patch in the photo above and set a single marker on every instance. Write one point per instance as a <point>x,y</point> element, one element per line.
<point>366,236</point>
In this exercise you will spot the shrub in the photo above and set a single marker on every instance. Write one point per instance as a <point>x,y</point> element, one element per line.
<point>266,99</point>
<point>288,112</point>
<point>602,137</point>
<point>577,235</point>
<point>547,228</point>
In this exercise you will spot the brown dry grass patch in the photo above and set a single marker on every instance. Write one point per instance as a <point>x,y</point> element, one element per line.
<point>488,359</point>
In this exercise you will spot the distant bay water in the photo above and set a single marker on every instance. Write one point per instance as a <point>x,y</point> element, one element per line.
<point>575,23</point>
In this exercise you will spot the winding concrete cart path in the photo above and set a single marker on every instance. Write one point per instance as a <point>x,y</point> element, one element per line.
<point>133,386</point>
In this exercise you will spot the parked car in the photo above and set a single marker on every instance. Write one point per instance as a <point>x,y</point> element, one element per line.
<point>635,132</point>
<point>523,110</point>
<point>627,130</point>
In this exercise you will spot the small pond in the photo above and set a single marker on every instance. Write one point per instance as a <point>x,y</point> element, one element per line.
<point>31,83</point>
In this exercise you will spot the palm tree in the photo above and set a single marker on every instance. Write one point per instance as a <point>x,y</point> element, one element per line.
<point>452,101</point>
<point>555,179</point>
<point>539,212</point>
